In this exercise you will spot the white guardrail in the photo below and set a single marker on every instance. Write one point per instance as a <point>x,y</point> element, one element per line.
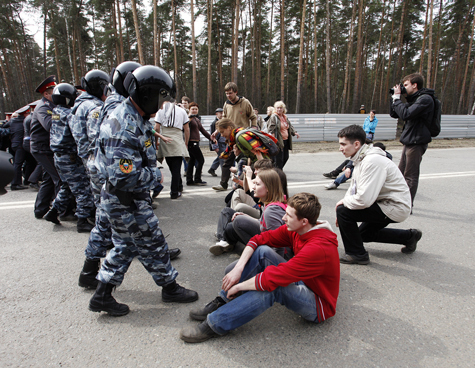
<point>325,127</point>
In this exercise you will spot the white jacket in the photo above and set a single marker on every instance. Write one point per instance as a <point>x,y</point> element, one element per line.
<point>377,179</point>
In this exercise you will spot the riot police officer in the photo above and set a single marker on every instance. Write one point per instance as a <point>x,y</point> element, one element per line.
<point>125,156</point>
<point>68,164</point>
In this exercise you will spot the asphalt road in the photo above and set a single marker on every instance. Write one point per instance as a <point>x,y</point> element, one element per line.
<point>400,311</point>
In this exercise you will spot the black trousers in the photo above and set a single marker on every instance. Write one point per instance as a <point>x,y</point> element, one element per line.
<point>19,157</point>
<point>196,156</point>
<point>174,164</point>
<point>50,185</point>
<point>33,170</point>
<point>372,229</point>
<point>283,156</point>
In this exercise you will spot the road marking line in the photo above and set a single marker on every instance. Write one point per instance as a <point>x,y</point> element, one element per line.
<point>207,191</point>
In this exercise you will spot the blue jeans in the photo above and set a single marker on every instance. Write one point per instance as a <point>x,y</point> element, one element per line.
<point>342,178</point>
<point>237,312</point>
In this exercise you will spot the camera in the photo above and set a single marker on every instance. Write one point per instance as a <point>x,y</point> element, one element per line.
<point>403,90</point>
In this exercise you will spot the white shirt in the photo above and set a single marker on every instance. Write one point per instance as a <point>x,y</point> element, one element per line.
<point>176,119</point>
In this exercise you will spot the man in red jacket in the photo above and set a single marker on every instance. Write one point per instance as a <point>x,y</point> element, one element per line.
<point>308,283</point>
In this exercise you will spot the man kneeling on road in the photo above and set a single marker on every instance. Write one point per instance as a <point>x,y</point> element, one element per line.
<point>378,195</point>
<point>308,283</point>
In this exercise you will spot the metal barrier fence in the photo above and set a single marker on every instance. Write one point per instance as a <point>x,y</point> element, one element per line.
<point>325,127</point>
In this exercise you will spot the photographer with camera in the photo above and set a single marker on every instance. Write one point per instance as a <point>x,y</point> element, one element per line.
<point>417,114</point>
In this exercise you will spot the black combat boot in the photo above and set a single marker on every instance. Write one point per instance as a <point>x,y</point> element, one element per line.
<point>52,216</point>
<point>84,226</point>
<point>174,293</point>
<point>87,277</point>
<point>103,301</point>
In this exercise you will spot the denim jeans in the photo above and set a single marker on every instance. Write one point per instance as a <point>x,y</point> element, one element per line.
<point>342,178</point>
<point>237,312</point>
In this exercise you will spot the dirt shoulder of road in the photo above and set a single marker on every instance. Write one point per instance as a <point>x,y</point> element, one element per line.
<point>314,147</point>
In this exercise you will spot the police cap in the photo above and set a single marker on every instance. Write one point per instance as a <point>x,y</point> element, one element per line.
<point>49,82</point>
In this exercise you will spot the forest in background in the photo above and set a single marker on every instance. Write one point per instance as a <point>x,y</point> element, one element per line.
<point>318,56</point>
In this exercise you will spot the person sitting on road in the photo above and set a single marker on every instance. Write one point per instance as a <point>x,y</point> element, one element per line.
<point>378,195</point>
<point>308,283</point>
<point>236,228</point>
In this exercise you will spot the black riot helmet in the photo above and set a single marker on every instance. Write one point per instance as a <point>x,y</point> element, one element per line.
<point>64,94</point>
<point>7,171</point>
<point>150,86</point>
<point>118,75</point>
<point>94,82</point>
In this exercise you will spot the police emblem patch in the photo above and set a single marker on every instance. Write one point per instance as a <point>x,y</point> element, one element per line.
<point>95,114</point>
<point>148,143</point>
<point>55,117</point>
<point>49,112</point>
<point>126,166</point>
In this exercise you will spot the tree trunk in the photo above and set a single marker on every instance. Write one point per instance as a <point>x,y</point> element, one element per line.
<point>45,14</point>
<point>349,54</point>
<point>435,67</point>
<point>398,74</point>
<point>386,86</point>
<point>429,51</point>
<point>282,50</point>
<point>243,37</point>
<point>209,98</point>
<point>193,50</point>
<point>315,57</point>
<point>178,85</point>
<point>462,90</point>
<point>359,61</point>
<point>253,35</point>
<point>328,57</point>
<point>258,54</point>
<point>236,40</point>
<point>220,65</point>
<point>378,59</point>
<point>155,43</point>
<point>5,72</point>
<point>424,39</point>
<point>114,22</point>
<point>301,50</point>
<point>268,100</point>
<point>121,41</point>
<point>137,32</point>
<point>77,78</point>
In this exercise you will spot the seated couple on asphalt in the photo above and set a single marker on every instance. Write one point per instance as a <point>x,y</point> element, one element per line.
<point>378,196</point>
<point>307,284</point>
<point>235,228</point>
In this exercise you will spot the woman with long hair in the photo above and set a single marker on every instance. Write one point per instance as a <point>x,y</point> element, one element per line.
<point>242,227</point>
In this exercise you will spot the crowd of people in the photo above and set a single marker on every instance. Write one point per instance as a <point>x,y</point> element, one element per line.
<point>92,152</point>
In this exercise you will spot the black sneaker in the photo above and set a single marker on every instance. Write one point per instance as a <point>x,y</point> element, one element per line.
<point>175,196</point>
<point>347,259</point>
<point>212,172</point>
<point>199,333</point>
<point>179,295</point>
<point>331,175</point>
<point>200,182</point>
<point>200,314</point>
<point>411,244</point>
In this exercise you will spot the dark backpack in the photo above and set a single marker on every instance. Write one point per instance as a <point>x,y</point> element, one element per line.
<point>434,124</point>
<point>269,141</point>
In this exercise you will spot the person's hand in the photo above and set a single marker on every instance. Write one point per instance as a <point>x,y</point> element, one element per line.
<point>233,291</point>
<point>397,89</point>
<point>258,154</point>
<point>347,172</point>
<point>297,135</point>
<point>213,136</point>
<point>236,214</point>
<point>216,150</point>
<point>231,279</point>
<point>233,169</point>
<point>165,139</point>
<point>248,171</point>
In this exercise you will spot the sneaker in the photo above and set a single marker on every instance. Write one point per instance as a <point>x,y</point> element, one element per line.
<point>199,333</point>
<point>179,295</point>
<point>219,188</point>
<point>220,247</point>
<point>331,175</point>
<point>212,172</point>
<point>412,242</point>
<point>347,259</point>
<point>331,186</point>
<point>200,314</point>
<point>200,182</point>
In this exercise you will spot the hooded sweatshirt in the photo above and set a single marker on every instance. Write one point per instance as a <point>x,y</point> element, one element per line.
<point>377,179</point>
<point>315,262</point>
<point>241,113</point>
